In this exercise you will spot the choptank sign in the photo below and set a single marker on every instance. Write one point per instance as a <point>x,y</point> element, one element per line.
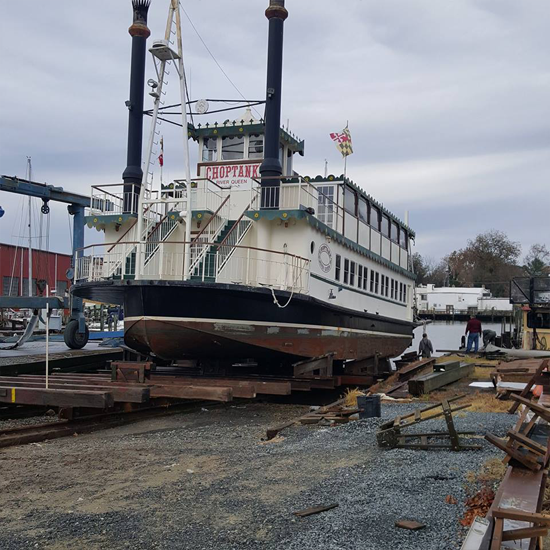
<point>233,175</point>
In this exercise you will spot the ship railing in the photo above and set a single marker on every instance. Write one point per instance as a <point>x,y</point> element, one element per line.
<point>247,265</point>
<point>114,199</point>
<point>298,194</point>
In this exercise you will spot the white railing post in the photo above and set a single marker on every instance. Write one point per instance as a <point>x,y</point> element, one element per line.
<point>247,264</point>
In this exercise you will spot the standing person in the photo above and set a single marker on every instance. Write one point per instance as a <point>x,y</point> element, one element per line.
<point>473,330</point>
<point>425,348</point>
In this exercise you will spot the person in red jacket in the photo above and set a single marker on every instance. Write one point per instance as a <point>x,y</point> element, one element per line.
<point>473,330</point>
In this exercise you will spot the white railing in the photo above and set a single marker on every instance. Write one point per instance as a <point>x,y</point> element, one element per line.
<point>247,266</point>
<point>113,199</point>
<point>297,196</point>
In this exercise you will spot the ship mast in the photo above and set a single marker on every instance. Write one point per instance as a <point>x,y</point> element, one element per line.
<point>29,175</point>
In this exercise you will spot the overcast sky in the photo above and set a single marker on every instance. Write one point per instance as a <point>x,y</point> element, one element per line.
<point>447,101</point>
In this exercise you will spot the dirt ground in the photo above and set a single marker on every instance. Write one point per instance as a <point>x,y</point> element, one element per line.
<point>205,480</point>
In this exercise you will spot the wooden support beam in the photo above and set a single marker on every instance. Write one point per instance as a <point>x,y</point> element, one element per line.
<point>430,382</point>
<point>525,459</point>
<point>543,412</point>
<point>192,392</point>
<point>125,394</point>
<point>322,365</point>
<point>56,397</point>
<point>527,442</point>
<point>524,533</point>
<point>543,365</point>
<point>520,515</point>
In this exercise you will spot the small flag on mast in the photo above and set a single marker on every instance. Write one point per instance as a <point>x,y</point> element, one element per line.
<point>161,156</point>
<point>343,142</point>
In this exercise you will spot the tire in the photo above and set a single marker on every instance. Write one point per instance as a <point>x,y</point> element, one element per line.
<point>74,339</point>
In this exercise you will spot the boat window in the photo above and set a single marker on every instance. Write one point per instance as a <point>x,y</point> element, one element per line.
<point>394,232</point>
<point>403,239</point>
<point>375,218</point>
<point>400,292</point>
<point>352,274</point>
<point>338,266</point>
<point>325,204</point>
<point>376,281</point>
<point>350,197</point>
<point>385,228</point>
<point>383,285</point>
<point>392,293</point>
<point>365,278</point>
<point>255,146</point>
<point>359,276</point>
<point>371,280</point>
<point>233,148</point>
<point>405,293</point>
<point>387,286</point>
<point>346,271</point>
<point>363,211</point>
<point>210,150</point>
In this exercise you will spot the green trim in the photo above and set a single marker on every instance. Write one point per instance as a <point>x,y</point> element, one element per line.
<point>102,221</point>
<point>200,214</point>
<point>271,215</point>
<point>257,215</point>
<point>357,290</point>
<point>231,128</point>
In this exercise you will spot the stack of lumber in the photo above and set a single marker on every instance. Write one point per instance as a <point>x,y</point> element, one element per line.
<point>452,371</point>
<point>516,371</point>
<point>516,376</point>
<point>515,514</point>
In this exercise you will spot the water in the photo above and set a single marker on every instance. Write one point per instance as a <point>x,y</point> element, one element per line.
<point>446,334</point>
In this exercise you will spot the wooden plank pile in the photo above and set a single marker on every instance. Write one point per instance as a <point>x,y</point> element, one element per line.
<point>521,371</point>
<point>390,433</point>
<point>515,514</point>
<point>519,446</point>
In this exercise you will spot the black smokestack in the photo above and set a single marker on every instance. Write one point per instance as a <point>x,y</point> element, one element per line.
<point>133,173</point>
<point>276,13</point>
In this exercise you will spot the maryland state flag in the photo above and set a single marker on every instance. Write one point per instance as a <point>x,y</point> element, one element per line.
<point>161,156</point>
<point>343,142</point>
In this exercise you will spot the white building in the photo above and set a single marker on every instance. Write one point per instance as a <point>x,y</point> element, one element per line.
<point>458,300</point>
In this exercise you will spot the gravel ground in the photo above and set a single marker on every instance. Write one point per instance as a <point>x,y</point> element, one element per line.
<point>206,481</point>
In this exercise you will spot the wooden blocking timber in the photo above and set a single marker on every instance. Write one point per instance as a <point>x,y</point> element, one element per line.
<point>430,382</point>
<point>209,393</point>
<point>126,371</point>
<point>446,365</point>
<point>123,394</point>
<point>56,397</point>
<point>321,366</point>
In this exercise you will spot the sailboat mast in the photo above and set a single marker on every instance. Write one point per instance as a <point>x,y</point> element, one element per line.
<point>29,176</point>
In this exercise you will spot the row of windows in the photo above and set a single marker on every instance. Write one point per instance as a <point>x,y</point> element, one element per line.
<point>354,274</point>
<point>370,214</point>
<point>233,148</point>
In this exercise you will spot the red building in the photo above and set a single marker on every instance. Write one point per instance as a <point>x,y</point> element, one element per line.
<point>48,266</point>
